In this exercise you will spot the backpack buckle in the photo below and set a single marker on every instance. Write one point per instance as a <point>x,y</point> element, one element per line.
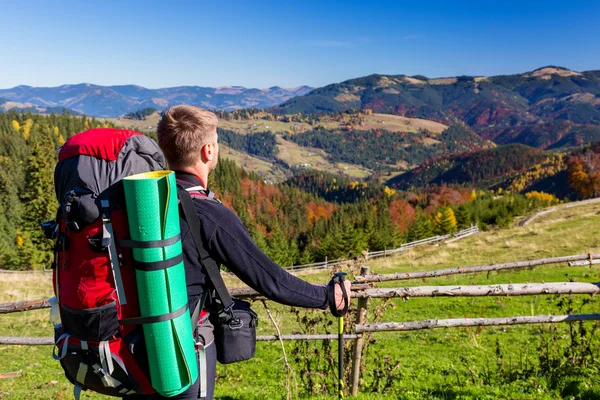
<point>50,229</point>
<point>97,244</point>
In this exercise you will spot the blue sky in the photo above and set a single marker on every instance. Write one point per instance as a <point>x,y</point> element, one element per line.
<point>287,43</point>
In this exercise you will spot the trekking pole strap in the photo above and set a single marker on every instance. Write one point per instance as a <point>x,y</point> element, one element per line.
<point>212,269</point>
<point>338,279</point>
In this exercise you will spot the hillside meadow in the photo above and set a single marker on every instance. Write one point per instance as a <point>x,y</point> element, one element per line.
<point>461,363</point>
<point>390,122</point>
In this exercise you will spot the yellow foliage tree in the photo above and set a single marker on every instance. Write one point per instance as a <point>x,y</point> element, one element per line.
<point>27,128</point>
<point>542,196</point>
<point>444,221</point>
<point>15,125</point>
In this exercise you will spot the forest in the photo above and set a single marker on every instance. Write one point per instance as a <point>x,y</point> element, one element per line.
<point>307,218</point>
<point>262,144</point>
<point>380,149</point>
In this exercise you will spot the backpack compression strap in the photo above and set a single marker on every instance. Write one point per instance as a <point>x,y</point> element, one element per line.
<point>108,240</point>
<point>214,274</point>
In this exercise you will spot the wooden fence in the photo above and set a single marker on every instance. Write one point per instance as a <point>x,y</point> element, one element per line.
<point>364,288</point>
<point>472,230</point>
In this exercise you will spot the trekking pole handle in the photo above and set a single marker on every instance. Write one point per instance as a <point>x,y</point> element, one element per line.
<point>338,279</point>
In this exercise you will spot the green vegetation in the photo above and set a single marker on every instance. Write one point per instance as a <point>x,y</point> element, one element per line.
<point>511,362</point>
<point>381,149</point>
<point>483,168</point>
<point>261,144</point>
<point>28,148</point>
<point>291,222</point>
<point>141,114</point>
<point>252,120</point>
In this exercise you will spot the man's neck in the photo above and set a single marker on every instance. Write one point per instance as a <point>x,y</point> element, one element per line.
<point>198,172</point>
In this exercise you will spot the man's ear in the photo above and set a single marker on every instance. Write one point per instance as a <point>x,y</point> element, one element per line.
<point>208,152</point>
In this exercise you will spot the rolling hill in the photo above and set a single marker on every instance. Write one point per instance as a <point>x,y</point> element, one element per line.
<point>514,167</point>
<point>484,168</point>
<point>114,101</point>
<point>546,108</point>
<point>292,155</point>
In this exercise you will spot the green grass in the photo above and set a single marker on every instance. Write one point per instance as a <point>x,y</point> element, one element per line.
<point>436,364</point>
<point>295,155</point>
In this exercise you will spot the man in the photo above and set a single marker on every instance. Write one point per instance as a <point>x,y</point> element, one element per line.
<point>188,137</point>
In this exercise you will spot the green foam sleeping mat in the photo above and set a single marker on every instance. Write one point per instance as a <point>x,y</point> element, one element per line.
<point>153,214</point>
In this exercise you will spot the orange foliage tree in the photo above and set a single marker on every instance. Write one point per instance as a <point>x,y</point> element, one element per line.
<point>584,174</point>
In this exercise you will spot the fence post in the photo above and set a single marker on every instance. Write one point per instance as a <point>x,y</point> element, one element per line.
<point>325,262</point>
<point>358,343</point>
<point>384,252</point>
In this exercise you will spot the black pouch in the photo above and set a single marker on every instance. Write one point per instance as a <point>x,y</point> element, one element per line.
<point>235,336</point>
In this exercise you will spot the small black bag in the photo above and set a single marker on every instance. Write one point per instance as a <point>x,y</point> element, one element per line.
<point>235,336</point>
<point>233,320</point>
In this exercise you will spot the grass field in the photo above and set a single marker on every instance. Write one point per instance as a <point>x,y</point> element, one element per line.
<point>438,364</point>
<point>299,156</point>
<point>266,169</point>
<point>393,123</point>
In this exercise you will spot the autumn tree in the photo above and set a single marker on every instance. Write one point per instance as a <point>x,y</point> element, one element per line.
<point>444,221</point>
<point>584,173</point>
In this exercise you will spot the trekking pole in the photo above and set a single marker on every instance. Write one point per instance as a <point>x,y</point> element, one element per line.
<point>338,279</point>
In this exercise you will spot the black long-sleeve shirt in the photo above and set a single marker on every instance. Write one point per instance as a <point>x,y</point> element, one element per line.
<point>228,242</point>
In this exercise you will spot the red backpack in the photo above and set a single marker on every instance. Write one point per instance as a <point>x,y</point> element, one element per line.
<point>97,349</point>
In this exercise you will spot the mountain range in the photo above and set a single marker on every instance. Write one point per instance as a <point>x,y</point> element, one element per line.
<point>114,101</point>
<point>546,108</point>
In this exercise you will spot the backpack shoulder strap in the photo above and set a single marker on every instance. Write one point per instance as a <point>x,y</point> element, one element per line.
<point>199,192</point>
<point>225,303</point>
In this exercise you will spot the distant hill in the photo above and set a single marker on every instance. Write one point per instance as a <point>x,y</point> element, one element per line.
<point>114,101</point>
<point>484,168</point>
<point>513,167</point>
<point>6,105</point>
<point>546,108</point>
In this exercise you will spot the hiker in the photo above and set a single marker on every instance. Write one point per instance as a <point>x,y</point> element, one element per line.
<point>188,138</point>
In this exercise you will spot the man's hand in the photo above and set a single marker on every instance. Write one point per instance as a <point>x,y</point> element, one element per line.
<point>339,297</point>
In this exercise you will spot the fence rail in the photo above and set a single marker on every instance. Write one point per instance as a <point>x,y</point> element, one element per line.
<point>547,211</point>
<point>526,289</point>
<point>472,269</point>
<point>49,341</point>
<point>459,322</point>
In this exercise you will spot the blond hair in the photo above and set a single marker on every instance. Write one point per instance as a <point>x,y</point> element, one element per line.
<point>183,131</point>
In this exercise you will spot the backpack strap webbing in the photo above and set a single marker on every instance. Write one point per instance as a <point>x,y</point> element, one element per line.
<point>108,241</point>
<point>224,303</point>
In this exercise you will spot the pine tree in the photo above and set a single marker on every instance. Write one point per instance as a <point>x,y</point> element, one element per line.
<point>444,221</point>
<point>463,218</point>
<point>39,199</point>
<point>279,248</point>
<point>420,229</point>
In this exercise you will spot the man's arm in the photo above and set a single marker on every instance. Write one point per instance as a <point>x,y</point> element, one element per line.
<point>230,244</point>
